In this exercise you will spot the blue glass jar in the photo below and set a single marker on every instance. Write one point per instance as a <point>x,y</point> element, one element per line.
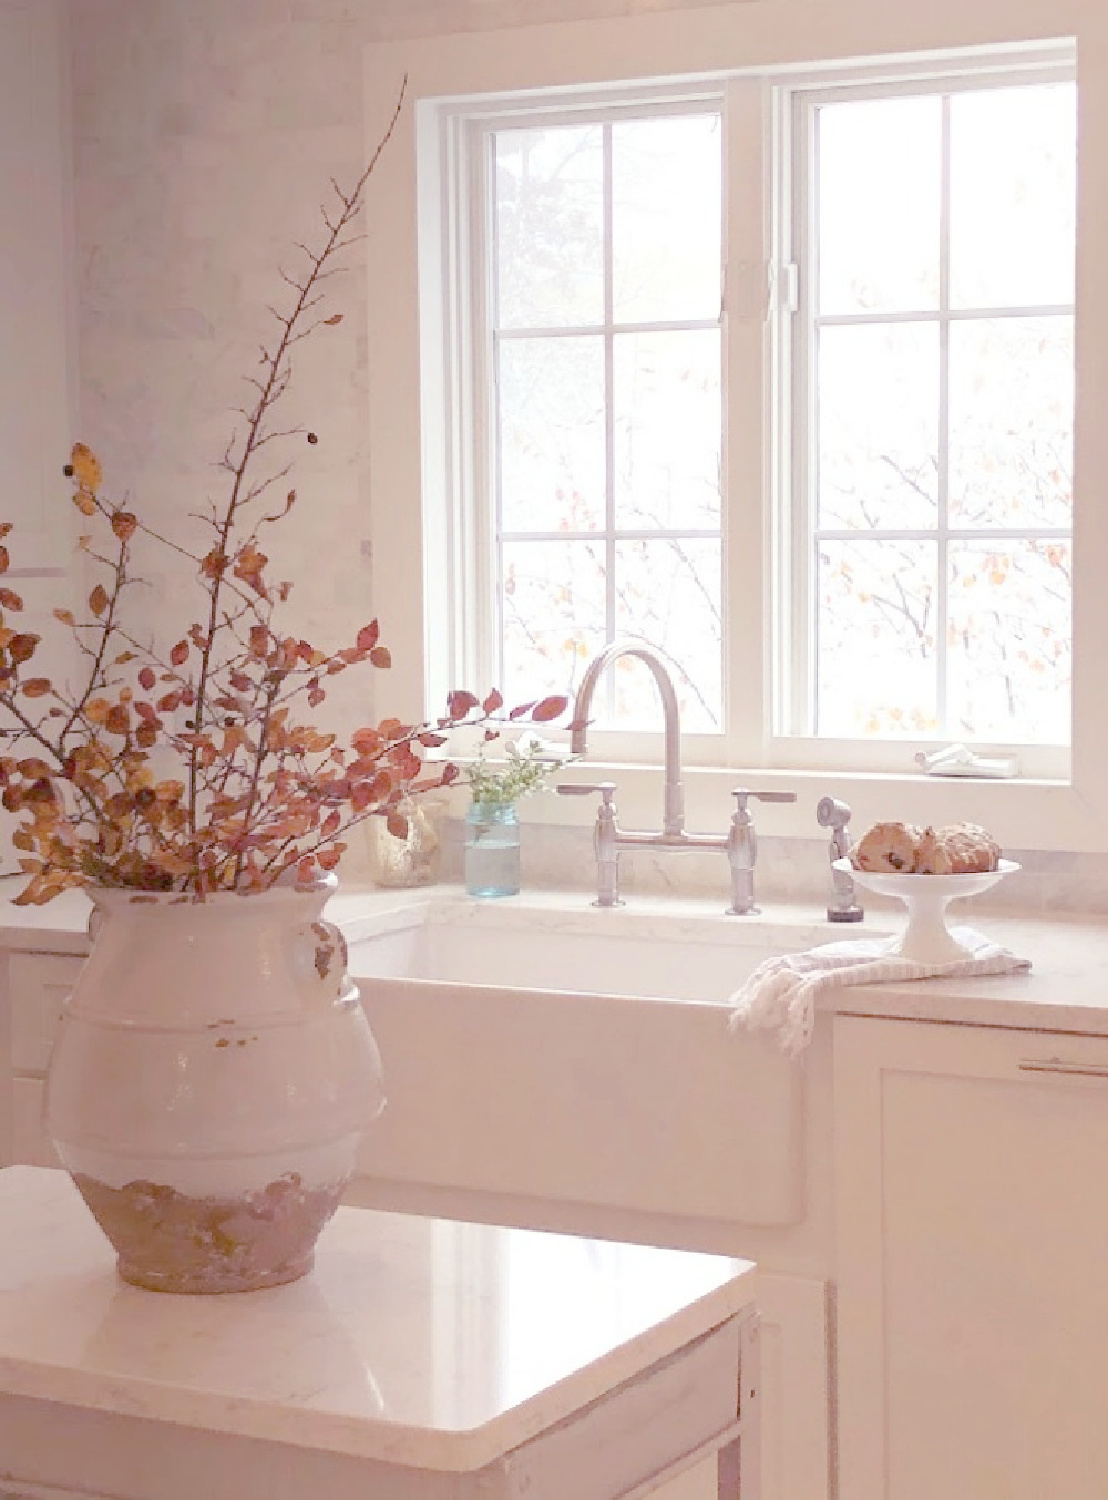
<point>492,849</point>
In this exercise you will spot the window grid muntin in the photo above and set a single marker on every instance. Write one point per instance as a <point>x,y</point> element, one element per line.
<point>804,211</point>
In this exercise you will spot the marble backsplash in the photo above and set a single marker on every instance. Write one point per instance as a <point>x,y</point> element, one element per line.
<point>561,857</point>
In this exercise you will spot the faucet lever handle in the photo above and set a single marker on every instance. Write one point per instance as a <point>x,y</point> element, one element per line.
<point>586,788</point>
<point>741,793</point>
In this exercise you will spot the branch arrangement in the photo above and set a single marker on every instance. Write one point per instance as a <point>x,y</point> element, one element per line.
<point>193,767</point>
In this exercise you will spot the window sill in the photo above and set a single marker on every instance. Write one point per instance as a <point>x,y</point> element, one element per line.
<point>1022,813</point>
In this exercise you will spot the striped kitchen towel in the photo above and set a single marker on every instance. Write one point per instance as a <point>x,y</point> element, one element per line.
<point>782,992</point>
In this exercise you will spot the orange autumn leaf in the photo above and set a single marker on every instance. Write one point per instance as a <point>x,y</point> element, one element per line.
<point>22,647</point>
<point>86,467</point>
<point>549,708</point>
<point>214,565</point>
<point>459,703</point>
<point>397,824</point>
<point>249,563</point>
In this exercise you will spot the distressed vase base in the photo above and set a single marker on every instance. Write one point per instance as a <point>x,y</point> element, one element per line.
<point>167,1241</point>
<point>215,1282</point>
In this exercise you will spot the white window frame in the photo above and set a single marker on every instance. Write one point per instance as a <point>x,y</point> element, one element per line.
<point>796,100</point>
<point>765,388</point>
<point>406,372</point>
<point>460,577</point>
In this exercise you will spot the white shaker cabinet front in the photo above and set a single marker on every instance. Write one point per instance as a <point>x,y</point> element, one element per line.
<point>37,986</point>
<point>972,1243</point>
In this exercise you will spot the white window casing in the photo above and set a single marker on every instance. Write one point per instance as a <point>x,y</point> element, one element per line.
<point>444,639</point>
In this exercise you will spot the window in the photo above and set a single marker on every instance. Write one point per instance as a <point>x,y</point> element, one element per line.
<point>606,429</point>
<point>833,484</point>
<point>933,421</point>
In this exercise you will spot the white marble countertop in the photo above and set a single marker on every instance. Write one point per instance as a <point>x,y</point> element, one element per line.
<point>419,1341</point>
<point>1066,988</point>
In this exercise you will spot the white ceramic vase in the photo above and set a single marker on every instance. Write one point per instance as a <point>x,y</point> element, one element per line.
<point>212,1077</point>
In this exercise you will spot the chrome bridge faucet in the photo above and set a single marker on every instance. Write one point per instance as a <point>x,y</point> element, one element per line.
<point>739,843</point>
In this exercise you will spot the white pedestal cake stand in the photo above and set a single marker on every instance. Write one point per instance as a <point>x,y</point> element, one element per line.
<point>927,939</point>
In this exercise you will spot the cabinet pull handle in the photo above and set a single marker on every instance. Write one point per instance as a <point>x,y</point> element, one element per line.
<point>1059,1065</point>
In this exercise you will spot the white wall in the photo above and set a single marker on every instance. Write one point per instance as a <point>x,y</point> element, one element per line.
<point>37,346</point>
<point>205,135</point>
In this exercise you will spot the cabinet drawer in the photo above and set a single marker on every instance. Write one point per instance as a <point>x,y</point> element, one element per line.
<point>30,1147</point>
<point>39,984</point>
<point>982,1052</point>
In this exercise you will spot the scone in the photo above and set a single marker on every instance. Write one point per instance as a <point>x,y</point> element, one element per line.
<point>905,849</point>
<point>957,849</point>
<point>888,848</point>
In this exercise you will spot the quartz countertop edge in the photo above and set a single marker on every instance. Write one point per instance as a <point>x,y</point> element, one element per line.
<point>378,1439</point>
<point>72,1332</point>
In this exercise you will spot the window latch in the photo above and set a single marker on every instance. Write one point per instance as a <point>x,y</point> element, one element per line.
<point>784,287</point>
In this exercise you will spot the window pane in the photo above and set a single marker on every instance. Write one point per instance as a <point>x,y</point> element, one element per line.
<point>1013,158</point>
<point>876,647</point>
<point>668,592</point>
<point>552,467</point>
<point>1011,422</point>
<point>553,614</point>
<point>549,227</point>
<point>878,186</point>
<point>878,426</point>
<point>666,219</point>
<point>1009,641</point>
<point>667,429</point>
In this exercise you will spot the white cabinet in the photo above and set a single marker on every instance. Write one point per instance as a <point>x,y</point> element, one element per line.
<point>36,990</point>
<point>972,1208</point>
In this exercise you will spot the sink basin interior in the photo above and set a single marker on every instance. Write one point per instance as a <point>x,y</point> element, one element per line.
<point>588,951</point>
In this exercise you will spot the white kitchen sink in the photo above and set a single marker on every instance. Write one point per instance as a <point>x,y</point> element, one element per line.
<point>551,1050</point>
<point>577,947</point>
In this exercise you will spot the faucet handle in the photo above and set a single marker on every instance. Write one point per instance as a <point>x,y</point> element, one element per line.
<point>741,793</point>
<point>586,788</point>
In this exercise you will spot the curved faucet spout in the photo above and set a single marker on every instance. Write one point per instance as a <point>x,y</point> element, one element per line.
<point>674,807</point>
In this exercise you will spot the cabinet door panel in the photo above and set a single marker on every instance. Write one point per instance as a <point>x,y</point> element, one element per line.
<point>996,1234</point>
<point>973,1298</point>
<point>40,984</point>
<point>29,1143</point>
